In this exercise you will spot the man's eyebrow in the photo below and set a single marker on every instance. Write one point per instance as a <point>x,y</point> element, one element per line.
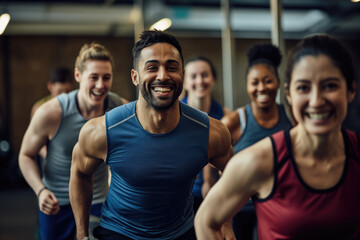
<point>172,61</point>
<point>301,80</point>
<point>151,61</point>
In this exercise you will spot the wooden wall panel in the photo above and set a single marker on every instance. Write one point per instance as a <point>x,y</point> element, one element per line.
<point>33,58</point>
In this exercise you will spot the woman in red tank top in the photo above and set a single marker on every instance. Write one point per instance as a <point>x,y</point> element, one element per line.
<point>304,181</point>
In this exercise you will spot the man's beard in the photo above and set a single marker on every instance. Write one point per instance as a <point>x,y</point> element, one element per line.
<point>160,103</point>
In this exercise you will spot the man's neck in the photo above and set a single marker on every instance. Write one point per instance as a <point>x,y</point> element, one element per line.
<point>157,121</point>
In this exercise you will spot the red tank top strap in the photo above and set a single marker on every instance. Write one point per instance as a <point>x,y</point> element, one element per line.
<point>280,142</point>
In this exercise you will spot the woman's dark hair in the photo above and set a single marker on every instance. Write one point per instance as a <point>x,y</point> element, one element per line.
<point>149,38</point>
<point>316,45</point>
<point>205,59</point>
<point>266,54</point>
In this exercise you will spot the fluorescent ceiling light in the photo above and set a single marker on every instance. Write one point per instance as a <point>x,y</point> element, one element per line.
<point>355,0</point>
<point>162,24</point>
<point>4,20</point>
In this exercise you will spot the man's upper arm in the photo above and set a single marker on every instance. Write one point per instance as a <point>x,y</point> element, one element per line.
<point>91,148</point>
<point>220,150</point>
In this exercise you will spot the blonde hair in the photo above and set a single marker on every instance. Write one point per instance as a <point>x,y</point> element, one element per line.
<point>92,51</point>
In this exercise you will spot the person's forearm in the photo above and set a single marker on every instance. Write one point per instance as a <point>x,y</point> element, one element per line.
<point>80,193</point>
<point>31,172</point>
<point>209,177</point>
<point>206,232</point>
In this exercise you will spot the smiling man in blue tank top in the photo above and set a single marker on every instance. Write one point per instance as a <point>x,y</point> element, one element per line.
<point>155,147</point>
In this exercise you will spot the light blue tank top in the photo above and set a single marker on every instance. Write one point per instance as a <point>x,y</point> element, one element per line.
<point>56,172</point>
<point>152,174</point>
<point>253,132</point>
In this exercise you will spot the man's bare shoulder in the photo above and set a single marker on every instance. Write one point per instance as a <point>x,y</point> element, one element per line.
<point>219,136</point>
<point>231,119</point>
<point>92,138</point>
<point>218,128</point>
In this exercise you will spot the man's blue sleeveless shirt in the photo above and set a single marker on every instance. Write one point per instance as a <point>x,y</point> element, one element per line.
<point>217,112</point>
<point>152,174</point>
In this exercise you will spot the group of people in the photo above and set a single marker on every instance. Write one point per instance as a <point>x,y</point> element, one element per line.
<point>246,174</point>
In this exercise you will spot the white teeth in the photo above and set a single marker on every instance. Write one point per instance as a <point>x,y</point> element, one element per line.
<point>97,93</point>
<point>319,116</point>
<point>262,97</point>
<point>162,89</point>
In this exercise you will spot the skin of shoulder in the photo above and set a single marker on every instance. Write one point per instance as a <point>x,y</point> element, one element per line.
<point>43,126</point>
<point>220,149</point>
<point>124,100</point>
<point>232,122</point>
<point>253,169</point>
<point>92,146</point>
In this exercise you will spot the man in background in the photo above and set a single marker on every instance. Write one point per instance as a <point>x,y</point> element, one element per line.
<point>61,81</point>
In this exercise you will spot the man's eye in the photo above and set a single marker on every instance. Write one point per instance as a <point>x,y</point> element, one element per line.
<point>302,88</point>
<point>172,68</point>
<point>151,68</point>
<point>331,86</point>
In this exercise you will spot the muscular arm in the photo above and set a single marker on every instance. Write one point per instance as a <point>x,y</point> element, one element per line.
<point>88,154</point>
<point>232,122</point>
<point>249,172</point>
<point>41,128</point>
<point>220,150</point>
<point>209,176</point>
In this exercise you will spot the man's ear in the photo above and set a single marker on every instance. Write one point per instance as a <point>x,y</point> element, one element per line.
<point>77,75</point>
<point>135,77</point>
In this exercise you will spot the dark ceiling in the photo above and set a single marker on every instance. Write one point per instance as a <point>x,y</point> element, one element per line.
<point>249,18</point>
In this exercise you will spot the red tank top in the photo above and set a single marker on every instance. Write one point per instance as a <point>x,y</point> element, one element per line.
<point>294,210</point>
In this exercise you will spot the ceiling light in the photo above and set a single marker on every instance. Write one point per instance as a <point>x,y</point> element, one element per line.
<point>4,20</point>
<point>162,24</point>
<point>355,0</point>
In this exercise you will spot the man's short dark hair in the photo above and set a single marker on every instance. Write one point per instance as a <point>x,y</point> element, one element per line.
<point>149,38</point>
<point>61,75</point>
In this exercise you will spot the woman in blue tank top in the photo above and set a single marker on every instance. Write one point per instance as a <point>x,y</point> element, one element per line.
<point>199,80</point>
<point>257,120</point>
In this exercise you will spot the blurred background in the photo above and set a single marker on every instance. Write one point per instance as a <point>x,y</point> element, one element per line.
<point>42,35</point>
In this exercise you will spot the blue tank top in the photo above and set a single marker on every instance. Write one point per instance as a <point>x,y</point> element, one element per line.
<point>217,112</point>
<point>253,132</point>
<point>152,174</point>
<point>56,172</point>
